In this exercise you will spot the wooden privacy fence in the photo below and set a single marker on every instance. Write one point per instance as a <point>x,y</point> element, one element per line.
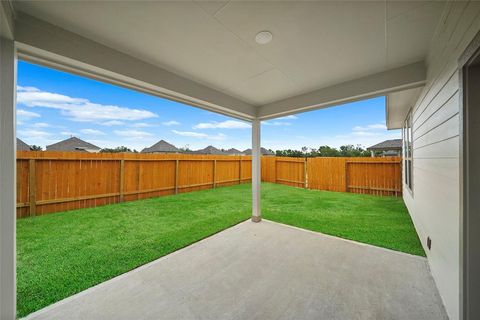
<point>59,181</point>
<point>377,176</point>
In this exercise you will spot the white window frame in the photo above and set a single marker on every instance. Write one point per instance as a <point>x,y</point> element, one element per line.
<point>407,133</point>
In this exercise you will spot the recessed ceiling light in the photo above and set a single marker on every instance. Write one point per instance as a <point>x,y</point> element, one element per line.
<point>263,37</point>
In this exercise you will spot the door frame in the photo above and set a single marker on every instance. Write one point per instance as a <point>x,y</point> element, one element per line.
<point>469,71</point>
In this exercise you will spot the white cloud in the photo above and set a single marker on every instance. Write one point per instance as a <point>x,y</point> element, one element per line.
<point>365,136</point>
<point>78,109</point>
<point>371,130</point>
<point>132,134</point>
<point>41,125</point>
<point>92,132</point>
<point>171,123</point>
<point>112,123</point>
<point>364,133</point>
<point>219,136</point>
<point>290,117</point>
<point>280,121</point>
<point>27,89</point>
<point>332,141</point>
<point>140,125</point>
<point>27,114</point>
<point>377,126</point>
<point>276,123</point>
<point>34,134</point>
<point>68,133</point>
<point>228,124</point>
<point>191,134</point>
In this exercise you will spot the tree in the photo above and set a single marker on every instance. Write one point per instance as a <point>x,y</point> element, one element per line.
<point>325,151</point>
<point>353,151</point>
<point>185,149</point>
<point>117,150</point>
<point>35,148</point>
<point>289,153</point>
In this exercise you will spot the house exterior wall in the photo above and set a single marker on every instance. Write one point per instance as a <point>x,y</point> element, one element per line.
<point>434,202</point>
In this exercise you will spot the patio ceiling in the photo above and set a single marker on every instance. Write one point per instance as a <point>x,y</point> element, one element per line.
<point>204,53</point>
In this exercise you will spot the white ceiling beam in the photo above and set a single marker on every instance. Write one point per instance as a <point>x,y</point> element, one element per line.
<point>6,20</point>
<point>44,43</point>
<point>406,77</point>
<point>399,104</point>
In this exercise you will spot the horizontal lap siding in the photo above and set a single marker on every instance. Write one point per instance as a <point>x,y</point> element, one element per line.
<point>447,130</point>
<point>435,202</point>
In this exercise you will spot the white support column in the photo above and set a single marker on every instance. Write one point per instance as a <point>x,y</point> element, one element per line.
<point>7,179</point>
<point>256,171</point>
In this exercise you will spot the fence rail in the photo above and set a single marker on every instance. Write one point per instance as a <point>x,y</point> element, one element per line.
<point>58,181</point>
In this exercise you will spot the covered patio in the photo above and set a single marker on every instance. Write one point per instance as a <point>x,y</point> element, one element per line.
<point>257,61</point>
<point>265,270</point>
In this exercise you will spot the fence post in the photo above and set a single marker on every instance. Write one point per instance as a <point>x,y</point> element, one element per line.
<point>139,168</point>
<point>346,176</point>
<point>214,173</point>
<point>32,188</point>
<point>305,173</point>
<point>122,180</point>
<point>176,175</point>
<point>240,170</point>
<point>275,170</point>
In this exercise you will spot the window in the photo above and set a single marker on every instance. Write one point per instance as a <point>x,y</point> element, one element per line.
<point>407,150</point>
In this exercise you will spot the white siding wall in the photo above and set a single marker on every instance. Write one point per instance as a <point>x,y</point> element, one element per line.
<point>435,202</point>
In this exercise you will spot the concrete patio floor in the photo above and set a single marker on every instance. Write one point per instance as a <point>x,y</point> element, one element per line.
<point>264,271</point>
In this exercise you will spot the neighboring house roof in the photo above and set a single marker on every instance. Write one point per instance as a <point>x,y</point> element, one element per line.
<point>234,151</point>
<point>22,146</point>
<point>161,146</point>
<point>391,153</point>
<point>394,144</point>
<point>73,144</point>
<point>210,150</point>
<point>263,151</point>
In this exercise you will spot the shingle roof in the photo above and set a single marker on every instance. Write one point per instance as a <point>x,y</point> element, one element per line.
<point>161,146</point>
<point>209,150</point>
<point>263,151</point>
<point>22,146</point>
<point>394,144</point>
<point>73,144</point>
<point>234,151</point>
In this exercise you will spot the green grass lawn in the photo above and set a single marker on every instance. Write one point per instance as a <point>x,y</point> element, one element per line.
<point>64,253</point>
<point>381,221</point>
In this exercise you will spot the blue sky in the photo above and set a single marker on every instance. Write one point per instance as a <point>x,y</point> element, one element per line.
<point>53,105</point>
